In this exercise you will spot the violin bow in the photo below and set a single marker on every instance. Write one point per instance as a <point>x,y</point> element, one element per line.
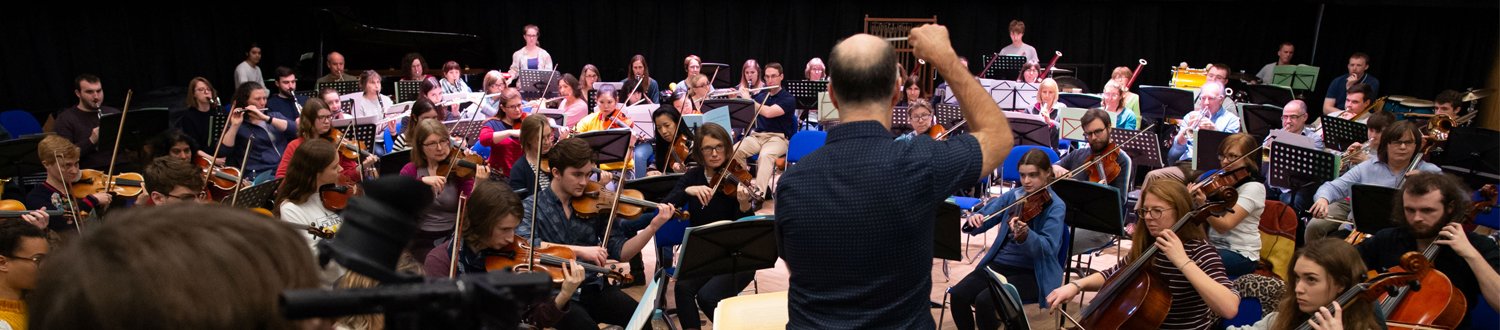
<point>458,224</point>
<point>213,162</point>
<point>613,205</point>
<point>235,197</point>
<point>1068,174</point>
<point>723,172</point>
<point>68,194</point>
<point>119,132</point>
<point>536,186</point>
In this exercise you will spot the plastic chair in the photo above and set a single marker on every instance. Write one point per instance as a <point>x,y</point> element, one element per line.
<point>804,143</point>
<point>1008,171</point>
<point>19,123</point>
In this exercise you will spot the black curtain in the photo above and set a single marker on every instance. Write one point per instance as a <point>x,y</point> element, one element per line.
<point>1415,49</point>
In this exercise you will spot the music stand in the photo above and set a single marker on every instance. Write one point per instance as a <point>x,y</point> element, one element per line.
<point>407,90</point>
<point>610,146</point>
<point>948,114</point>
<point>142,126</point>
<point>1089,206</point>
<point>945,233</point>
<point>304,94</point>
<point>1339,133</point>
<point>1011,95</point>
<point>342,87</point>
<point>741,112</point>
<point>718,74</point>
<point>1297,77</point>
<point>1031,130</point>
<point>1267,94</point>
<point>640,119</point>
<point>1165,102</point>
<point>1004,67</point>
<point>256,195</point>
<point>531,83</point>
<point>901,119</point>
<point>18,157</point>
<point>1371,207</point>
<point>1475,162</point>
<point>466,129</point>
<point>1076,100</point>
<point>1144,151</point>
<point>1260,119</point>
<point>391,163</point>
<point>806,92</point>
<point>655,188</point>
<point>1206,149</point>
<point>363,129</point>
<point>727,247</point>
<point>1293,167</point>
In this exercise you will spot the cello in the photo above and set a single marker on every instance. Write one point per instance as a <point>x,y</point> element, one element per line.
<point>1380,282</point>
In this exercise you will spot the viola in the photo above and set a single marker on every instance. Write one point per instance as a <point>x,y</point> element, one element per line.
<point>14,209</point>
<point>335,197</point>
<point>680,153</point>
<point>221,180</point>
<point>1109,166</point>
<point>124,184</point>
<point>595,198</point>
<point>517,257</point>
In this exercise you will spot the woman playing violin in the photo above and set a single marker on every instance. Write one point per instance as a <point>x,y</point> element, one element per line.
<point>534,130</point>
<point>1237,234</point>
<point>316,122</point>
<point>669,135</point>
<point>313,165</point>
<point>430,159</point>
<point>1321,272</point>
<point>1193,273</point>
<point>502,131</point>
<point>695,192</point>
<point>489,228</point>
<point>1029,260</point>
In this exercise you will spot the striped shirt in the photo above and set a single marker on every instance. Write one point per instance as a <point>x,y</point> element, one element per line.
<point>1189,311</point>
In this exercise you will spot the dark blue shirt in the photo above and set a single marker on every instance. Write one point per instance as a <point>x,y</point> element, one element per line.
<point>854,221</point>
<point>786,124</point>
<point>1338,88</point>
<point>553,227</point>
<point>265,152</point>
<point>287,107</point>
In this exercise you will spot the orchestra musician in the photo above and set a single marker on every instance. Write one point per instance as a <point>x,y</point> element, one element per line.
<point>1121,76</point>
<point>249,69</point>
<point>862,183</point>
<point>1434,205</point>
<point>531,56</point>
<point>815,70</point>
<point>336,71</point>
<point>23,246</point>
<point>1237,234</point>
<point>1029,261</point>
<point>696,192</point>
<point>1193,272</point>
<point>1018,47</point>
<point>286,101</point>
<point>1031,73</point>
<point>429,90</point>
<point>610,116</point>
<point>1339,87</point>
<point>774,127</point>
<point>697,91</point>
<point>60,158</point>
<point>1283,57</point>
<point>398,136</point>
<point>171,180</point>
<point>640,75</point>
<point>315,165</point>
<point>316,122</point>
<point>574,103</point>
<point>558,223</point>
<point>1446,104</point>
<point>1096,132</point>
<point>1208,114</point>
<point>500,133</point>
<point>428,159</point>
<point>415,67</point>
<point>910,91</point>
<point>1358,152</point>
<point>491,216</point>
<point>669,130</point>
<point>1357,104</point>
<point>80,123</point>
<point>253,131</point>
<point>1113,96</point>
<point>1398,147</point>
<point>1046,102</point>
<point>370,103</point>
<point>694,66</point>
<point>451,82</point>
<point>522,174</point>
<point>587,77</point>
<point>489,106</point>
<point>923,123</point>
<point>196,120</point>
<point>1321,271</point>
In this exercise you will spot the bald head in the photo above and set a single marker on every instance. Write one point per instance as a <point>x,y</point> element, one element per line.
<point>1211,96</point>
<point>1294,116</point>
<point>862,71</point>
<point>336,64</point>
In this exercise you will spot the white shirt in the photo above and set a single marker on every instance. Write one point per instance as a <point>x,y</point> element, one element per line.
<point>246,72</point>
<point>311,213</point>
<point>1245,237</point>
<point>1023,50</point>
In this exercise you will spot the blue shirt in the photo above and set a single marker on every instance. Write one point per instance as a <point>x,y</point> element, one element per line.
<point>1127,119</point>
<point>1372,172</point>
<point>1040,250</point>
<point>265,152</point>
<point>555,228</point>
<point>287,107</point>
<point>854,225</point>
<point>786,123</point>
<point>1224,121</point>
<point>1338,88</point>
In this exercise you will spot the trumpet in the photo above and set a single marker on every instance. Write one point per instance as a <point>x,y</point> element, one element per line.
<point>1344,157</point>
<point>737,91</point>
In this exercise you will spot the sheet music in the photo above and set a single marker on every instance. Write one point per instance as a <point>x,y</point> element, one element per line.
<point>1292,138</point>
<point>719,116</point>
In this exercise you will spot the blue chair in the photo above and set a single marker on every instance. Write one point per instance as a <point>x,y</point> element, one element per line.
<point>804,143</point>
<point>1008,171</point>
<point>669,236</point>
<point>19,123</point>
<point>757,217</point>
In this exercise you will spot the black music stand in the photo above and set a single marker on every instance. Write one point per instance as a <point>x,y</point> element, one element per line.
<point>727,247</point>
<point>1088,206</point>
<point>719,73</point>
<point>1031,130</point>
<point>363,129</point>
<point>610,146</point>
<point>1260,119</point>
<point>901,119</point>
<point>466,129</point>
<point>1165,102</point>
<point>407,90</point>
<point>655,188</point>
<point>308,94</point>
<point>1013,95</point>
<point>1144,151</point>
<point>1267,94</point>
<point>1005,67</point>
<point>391,163</point>
<point>18,157</point>
<point>593,99</point>
<point>945,233</point>
<point>741,112</point>
<point>532,82</point>
<point>806,92</point>
<point>1339,133</point>
<point>342,87</point>
<point>140,127</point>
<point>1206,149</point>
<point>1474,162</point>
<point>255,196</point>
<point>1293,167</point>
<point>1085,101</point>
<point>216,123</point>
<point>948,115</point>
<point>1373,207</point>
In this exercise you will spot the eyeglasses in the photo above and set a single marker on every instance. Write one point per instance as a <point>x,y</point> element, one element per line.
<point>713,150</point>
<point>434,143</point>
<point>1094,132</point>
<point>1151,213</point>
<point>188,196</point>
<point>324,117</point>
<point>512,107</point>
<point>921,116</point>
<point>773,75</point>
<point>37,259</point>
<point>1291,116</point>
<point>1404,142</point>
<point>1217,77</point>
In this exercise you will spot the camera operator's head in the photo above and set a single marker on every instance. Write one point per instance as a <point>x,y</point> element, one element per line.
<point>175,267</point>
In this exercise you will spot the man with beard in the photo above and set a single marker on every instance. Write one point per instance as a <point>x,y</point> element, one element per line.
<point>1096,126</point>
<point>1432,204</point>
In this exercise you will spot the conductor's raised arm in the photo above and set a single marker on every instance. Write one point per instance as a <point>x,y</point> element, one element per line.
<point>986,122</point>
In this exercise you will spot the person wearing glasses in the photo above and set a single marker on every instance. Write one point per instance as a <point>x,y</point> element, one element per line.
<point>316,122</point>
<point>923,123</point>
<point>431,150</point>
<point>1096,127</point>
<point>695,192</point>
<point>530,57</point>
<point>1398,144</point>
<point>534,130</point>
<point>25,246</point>
<point>1208,114</point>
<point>1201,291</point>
<point>170,180</point>
<point>60,158</point>
<point>1237,234</point>
<point>501,131</point>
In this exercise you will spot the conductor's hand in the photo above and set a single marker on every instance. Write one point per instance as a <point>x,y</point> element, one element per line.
<point>931,44</point>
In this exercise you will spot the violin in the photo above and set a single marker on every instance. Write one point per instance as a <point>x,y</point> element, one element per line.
<point>737,175</point>
<point>335,197</point>
<point>348,149</point>
<point>936,131</point>
<point>221,180</point>
<point>1222,181</point>
<point>549,260</point>
<point>595,198</point>
<point>14,209</point>
<point>1379,283</point>
<point>93,181</point>
<point>1109,166</point>
<point>1031,205</point>
<point>461,165</point>
<point>680,153</point>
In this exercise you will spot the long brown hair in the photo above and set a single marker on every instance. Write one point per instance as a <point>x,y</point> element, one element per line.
<point>192,92</point>
<point>307,162</point>
<point>419,134</point>
<point>1176,195</point>
<point>490,203</point>
<point>307,122</point>
<point>1345,269</point>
